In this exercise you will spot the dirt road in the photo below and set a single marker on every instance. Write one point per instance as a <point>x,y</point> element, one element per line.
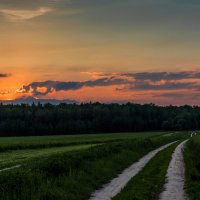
<point>116,185</point>
<point>174,187</point>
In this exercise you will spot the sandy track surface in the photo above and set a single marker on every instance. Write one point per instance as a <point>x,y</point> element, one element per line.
<point>116,185</point>
<point>175,178</point>
<point>10,168</point>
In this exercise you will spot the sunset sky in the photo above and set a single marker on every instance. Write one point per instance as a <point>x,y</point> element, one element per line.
<point>101,50</point>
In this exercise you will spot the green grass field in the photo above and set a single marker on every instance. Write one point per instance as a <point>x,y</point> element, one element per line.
<point>15,157</point>
<point>72,167</point>
<point>192,160</point>
<point>19,150</point>
<point>34,142</point>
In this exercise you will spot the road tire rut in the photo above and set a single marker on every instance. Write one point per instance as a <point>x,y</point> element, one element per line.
<point>175,178</point>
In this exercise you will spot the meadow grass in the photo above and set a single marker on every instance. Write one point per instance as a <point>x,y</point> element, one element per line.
<point>75,175</point>
<point>15,157</point>
<point>38,142</point>
<point>192,162</point>
<point>11,157</point>
<point>148,183</point>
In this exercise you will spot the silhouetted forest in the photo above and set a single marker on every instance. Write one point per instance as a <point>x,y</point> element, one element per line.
<point>48,119</point>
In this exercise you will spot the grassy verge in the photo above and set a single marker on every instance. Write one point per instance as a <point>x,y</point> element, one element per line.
<point>19,150</point>
<point>38,142</point>
<point>74,175</point>
<point>148,183</point>
<point>15,157</point>
<point>192,162</point>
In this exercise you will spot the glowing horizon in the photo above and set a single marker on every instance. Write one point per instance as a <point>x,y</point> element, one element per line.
<point>74,41</point>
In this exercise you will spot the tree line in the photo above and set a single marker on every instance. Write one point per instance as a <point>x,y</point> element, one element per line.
<point>18,120</point>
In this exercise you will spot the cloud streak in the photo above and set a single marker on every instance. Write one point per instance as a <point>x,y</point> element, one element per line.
<point>22,14</point>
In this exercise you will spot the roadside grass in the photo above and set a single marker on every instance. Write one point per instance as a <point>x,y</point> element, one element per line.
<point>11,158</point>
<point>192,162</point>
<point>74,175</point>
<point>38,142</point>
<point>149,182</point>
<point>15,157</point>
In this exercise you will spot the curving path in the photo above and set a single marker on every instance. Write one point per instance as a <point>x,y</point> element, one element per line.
<point>116,185</point>
<point>9,168</point>
<point>175,178</point>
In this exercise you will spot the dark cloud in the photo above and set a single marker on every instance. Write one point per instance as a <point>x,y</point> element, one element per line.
<point>146,81</point>
<point>158,76</point>
<point>164,80</point>
<point>170,95</point>
<point>4,75</point>
<point>140,85</point>
<point>50,86</point>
